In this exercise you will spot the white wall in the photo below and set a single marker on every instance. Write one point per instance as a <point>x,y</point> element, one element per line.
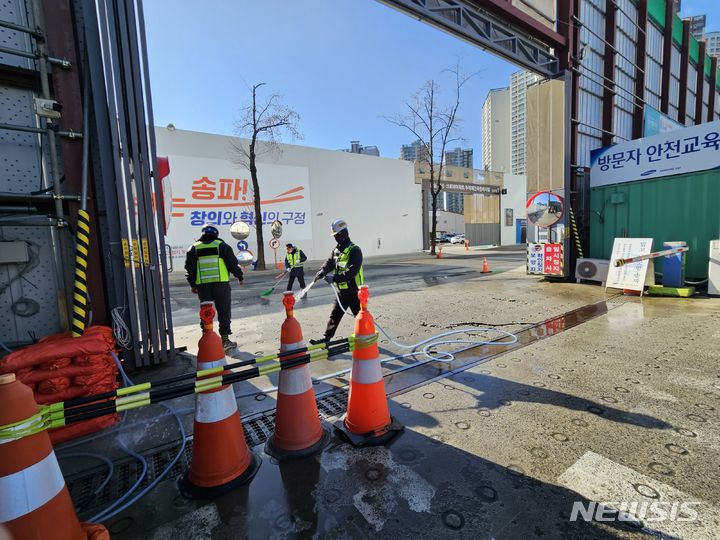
<point>516,186</point>
<point>377,196</point>
<point>449,222</point>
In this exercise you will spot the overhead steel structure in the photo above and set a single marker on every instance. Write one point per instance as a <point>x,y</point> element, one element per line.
<point>494,25</point>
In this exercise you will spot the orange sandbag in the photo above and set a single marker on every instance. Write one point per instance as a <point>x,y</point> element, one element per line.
<point>73,392</point>
<point>54,385</point>
<point>56,363</point>
<point>95,340</point>
<point>93,360</point>
<point>60,435</point>
<point>99,377</point>
<point>37,375</point>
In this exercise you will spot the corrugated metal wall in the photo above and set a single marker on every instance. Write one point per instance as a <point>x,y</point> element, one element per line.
<point>675,57</point>
<point>625,43</point>
<point>593,84</point>
<point>678,208</point>
<point>691,95</point>
<point>592,15</point>
<point>653,64</point>
<point>482,234</point>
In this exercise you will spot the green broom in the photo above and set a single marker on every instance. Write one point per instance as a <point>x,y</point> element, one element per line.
<point>267,293</point>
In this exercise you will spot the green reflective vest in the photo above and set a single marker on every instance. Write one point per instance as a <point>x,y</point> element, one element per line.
<point>341,263</point>
<point>210,266</point>
<point>293,259</point>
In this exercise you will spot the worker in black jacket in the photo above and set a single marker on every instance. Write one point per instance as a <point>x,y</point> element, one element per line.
<point>344,271</point>
<point>208,265</point>
<point>294,264</point>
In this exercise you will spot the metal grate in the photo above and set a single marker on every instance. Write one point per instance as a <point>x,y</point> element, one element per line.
<point>84,486</point>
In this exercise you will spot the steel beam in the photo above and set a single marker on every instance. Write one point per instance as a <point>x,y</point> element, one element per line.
<point>667,58</point>
<point>684,70</point>
<point>491,32</point>
<point>608,101</point>
<point>713,91</point>
<point>699,92</point>
<point>67,90</point>
<point>640,57</point>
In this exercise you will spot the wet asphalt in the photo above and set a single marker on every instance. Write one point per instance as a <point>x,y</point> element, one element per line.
<point>603,398</point>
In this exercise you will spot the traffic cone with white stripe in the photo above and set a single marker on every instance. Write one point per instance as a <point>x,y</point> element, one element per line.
<point>221,459</point>
<point>298,430</point>
<point>34,501</point>
<point>368,421</point>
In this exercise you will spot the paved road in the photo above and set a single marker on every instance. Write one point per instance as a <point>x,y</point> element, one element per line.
<point>389,275</point>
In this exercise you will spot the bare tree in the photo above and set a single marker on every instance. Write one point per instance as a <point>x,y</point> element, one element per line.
<point>435,125</point>
<point>262,122</point>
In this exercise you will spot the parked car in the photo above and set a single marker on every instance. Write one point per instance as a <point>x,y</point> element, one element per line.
<point>445,237</point>
<point>458,239</point>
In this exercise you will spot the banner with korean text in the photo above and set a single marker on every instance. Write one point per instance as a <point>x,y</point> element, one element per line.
<point>218,192</point>
<point>686,150</point>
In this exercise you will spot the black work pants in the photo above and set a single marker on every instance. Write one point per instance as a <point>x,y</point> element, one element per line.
<point>219,293</point>
<point>350,300</point>
<point>298,273</point>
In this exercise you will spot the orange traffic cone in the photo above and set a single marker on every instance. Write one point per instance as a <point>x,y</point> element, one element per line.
<point>439,253</point>
<point>298,431</point>
<point>221,459</point>
<point>486,267</point>
<point>34,501</point>
<point>368,421</point>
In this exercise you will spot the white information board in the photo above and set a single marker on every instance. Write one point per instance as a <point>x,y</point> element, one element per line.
<point>633,276</point>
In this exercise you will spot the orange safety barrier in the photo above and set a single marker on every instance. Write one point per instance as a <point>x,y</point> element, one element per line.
<point>221,458</point>
<point>34,501</point>
<point>298,430</point>
<point>368,421</point>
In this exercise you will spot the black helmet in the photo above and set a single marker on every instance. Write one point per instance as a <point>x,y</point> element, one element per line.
<point>210,230</point>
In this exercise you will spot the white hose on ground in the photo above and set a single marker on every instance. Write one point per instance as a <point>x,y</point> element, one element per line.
<point>429,343</point>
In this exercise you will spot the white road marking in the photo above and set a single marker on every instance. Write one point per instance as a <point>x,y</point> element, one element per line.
<point>601,480</point>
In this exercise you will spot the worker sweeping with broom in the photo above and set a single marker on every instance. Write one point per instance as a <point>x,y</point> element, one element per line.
<point>294,265</point>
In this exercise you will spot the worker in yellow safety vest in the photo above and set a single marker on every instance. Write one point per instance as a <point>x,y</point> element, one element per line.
<point>294,264</point>
<point>208,265</point>
<point>345,272</point>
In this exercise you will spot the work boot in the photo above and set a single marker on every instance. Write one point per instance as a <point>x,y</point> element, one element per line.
<point>318,341</point>
<point>227,344</point>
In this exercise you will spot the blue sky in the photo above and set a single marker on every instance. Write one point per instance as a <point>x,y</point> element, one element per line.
<point>341,64</point>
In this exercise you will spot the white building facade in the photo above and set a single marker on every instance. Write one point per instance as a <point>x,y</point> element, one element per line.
<point>304,188</point>
<point>496,132</point>
<point>519,81</point>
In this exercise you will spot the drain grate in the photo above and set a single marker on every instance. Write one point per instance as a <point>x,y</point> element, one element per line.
<point>85,487</point>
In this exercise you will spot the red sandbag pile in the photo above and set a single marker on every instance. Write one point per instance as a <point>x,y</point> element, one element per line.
<point>60,367</point>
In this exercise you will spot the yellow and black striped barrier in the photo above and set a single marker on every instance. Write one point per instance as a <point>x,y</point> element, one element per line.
<point>82,246</point>
<point>133,397</point>
<point>573,225</point>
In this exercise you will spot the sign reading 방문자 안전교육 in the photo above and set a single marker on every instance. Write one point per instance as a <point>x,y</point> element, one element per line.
<point>691,149</point>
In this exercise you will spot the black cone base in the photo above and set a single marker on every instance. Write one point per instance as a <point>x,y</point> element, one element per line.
<point>369,439</point>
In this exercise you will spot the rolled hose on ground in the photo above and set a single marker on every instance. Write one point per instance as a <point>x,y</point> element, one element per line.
<point>429,343</point>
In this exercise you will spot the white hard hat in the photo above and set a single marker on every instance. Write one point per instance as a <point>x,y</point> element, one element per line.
<point>338,225</point>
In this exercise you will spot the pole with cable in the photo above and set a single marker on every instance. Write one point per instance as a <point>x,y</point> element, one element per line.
<point>82,240</point>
